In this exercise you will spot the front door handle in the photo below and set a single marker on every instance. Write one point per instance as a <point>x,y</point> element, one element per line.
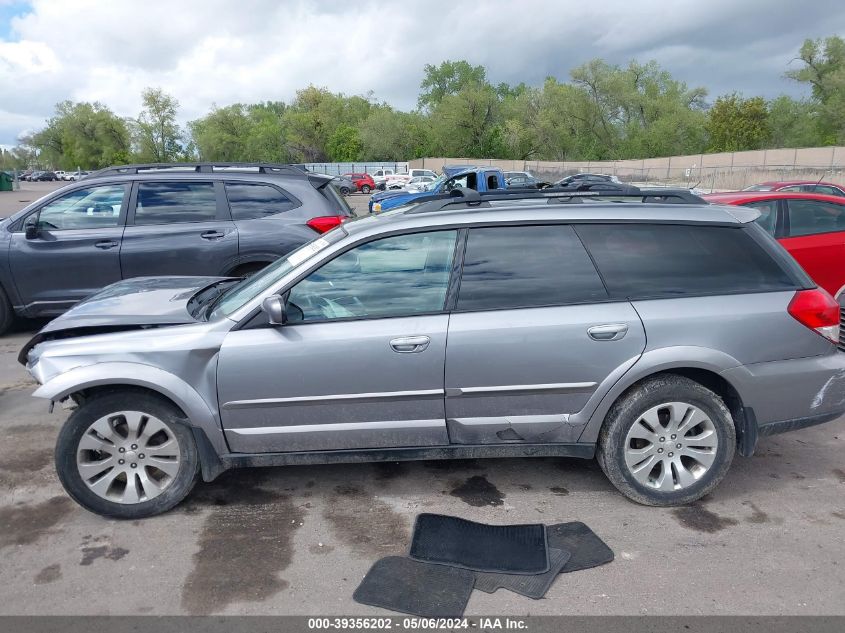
<point>105,244</point>
<point>212,235</point>
<point>608,332</point>
<point>409,344</point>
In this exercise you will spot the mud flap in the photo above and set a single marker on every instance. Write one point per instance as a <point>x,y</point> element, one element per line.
<point>747,433</point>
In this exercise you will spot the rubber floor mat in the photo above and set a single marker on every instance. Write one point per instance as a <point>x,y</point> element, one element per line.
<point>509,549</point>
<point>530,586</point>
<point>587,549</point>
<point>409,586</point>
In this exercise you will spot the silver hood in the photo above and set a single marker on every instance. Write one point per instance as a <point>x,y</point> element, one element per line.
<point>129,304</point>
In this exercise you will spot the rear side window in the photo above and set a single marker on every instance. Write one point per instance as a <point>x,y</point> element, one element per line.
<point>249,201</point>
<point>655,261</point>
<point>526,266</point>
<point>808,217</point>
<point>175,202</point>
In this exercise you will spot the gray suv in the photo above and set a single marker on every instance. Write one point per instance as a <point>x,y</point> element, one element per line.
<point>660,338</point>
<point>138,220</point>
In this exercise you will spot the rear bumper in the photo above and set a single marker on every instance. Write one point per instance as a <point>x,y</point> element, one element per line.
<point>773,428</point>
<point>787,395</point>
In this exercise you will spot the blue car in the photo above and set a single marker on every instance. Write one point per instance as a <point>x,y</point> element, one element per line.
<point>478,178</point>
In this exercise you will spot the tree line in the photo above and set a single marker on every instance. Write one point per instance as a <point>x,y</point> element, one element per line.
<point>602,112</point>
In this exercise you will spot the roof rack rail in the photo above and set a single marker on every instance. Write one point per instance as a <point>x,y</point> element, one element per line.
<point>201,167</point>
<point>554,195</point>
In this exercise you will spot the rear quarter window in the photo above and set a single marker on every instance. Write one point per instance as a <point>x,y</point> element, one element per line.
<point>658,261</point>
<point>248,201</point>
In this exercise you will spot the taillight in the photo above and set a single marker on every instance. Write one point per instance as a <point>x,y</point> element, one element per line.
<point>817,310</point>
<point>325,223</point>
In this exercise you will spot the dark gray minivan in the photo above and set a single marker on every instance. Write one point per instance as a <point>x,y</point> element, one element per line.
<point>150,220</point>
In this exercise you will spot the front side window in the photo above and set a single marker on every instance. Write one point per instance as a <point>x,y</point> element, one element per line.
<point>249,201</point>
<point>808,217</point>
<point>395,276</point>
<point>175,202</point>
<point>89,208</point>
<point>526,266</point>
<point>661,260</point>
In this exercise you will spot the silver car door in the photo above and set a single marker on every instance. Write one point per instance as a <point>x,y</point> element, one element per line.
<point>360,362</point>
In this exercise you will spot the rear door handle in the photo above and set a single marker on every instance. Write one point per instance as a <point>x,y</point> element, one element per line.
<point>608,332</point>
<point>212,235</point>
<point>410,344</point>
<point>105,244</point>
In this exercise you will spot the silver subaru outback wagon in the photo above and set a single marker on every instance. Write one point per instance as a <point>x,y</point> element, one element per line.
<point>661,339</point>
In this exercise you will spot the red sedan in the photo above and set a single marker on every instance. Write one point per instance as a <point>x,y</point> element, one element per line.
<point>800,186</point>
<point>810,226</point>
<point>363,182</point>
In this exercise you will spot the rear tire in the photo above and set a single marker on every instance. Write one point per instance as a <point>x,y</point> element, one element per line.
<point>344,191</point>
<point>365,189</point>
<point>668,441</point>
<point>7,314</point>
<point>120,481</point>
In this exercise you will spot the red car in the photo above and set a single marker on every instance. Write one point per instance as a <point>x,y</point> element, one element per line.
<point>363,182</point>
<point>810,226</point>
<point>800,186</point>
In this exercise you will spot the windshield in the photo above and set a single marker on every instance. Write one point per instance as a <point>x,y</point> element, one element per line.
<point>437,183</point>
<point>239,294</point>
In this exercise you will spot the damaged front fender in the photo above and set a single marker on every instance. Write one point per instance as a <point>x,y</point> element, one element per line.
<point>121,374</point>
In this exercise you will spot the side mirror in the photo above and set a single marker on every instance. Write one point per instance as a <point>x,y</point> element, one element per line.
<point>274,307</point>
<point>31,230</point>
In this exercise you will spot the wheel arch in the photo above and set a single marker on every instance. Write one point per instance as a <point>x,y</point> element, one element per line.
<point>702,365</point>
<point>117,375</point>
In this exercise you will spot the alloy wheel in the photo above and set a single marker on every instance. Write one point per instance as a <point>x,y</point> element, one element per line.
<point>671,446</point>
<point>128,457</point>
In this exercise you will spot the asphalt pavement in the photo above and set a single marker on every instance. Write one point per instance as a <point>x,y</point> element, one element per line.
<point>298,540</point>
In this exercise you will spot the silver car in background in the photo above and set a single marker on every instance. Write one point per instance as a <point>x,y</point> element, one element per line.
<point>660,338</point>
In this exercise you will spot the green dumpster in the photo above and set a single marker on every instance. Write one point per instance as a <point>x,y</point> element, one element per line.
<point>5,181</point>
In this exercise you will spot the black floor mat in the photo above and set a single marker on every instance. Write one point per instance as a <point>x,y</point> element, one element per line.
<point>510,549</point>
<point>531,586</point>
<point>409,586</point>
<point>587,549</point>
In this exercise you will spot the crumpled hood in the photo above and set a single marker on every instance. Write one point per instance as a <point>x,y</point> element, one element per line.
<point>141,301</point>
<point>138,301</point>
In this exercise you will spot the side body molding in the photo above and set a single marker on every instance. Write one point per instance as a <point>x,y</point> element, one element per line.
<point>155,379</point>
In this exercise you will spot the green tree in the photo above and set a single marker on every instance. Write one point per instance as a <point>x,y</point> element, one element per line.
<point>344,145</point>
<point>157,135</point>
<point>465,124</point>
<point>393,136</point>
<point>823,68</point>
<point>448,78</point>
<point>86,135</point>
<point>794,123</point>
<point>736,124</point>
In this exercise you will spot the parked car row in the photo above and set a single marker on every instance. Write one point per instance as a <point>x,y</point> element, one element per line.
<point>33,175</point>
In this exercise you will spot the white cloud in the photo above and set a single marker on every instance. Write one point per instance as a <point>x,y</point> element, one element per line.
<point>219,51</point>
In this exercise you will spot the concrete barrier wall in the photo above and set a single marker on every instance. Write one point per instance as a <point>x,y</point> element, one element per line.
<point>720,171</point>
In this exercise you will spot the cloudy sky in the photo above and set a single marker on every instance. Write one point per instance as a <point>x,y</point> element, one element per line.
<point>223,51</point>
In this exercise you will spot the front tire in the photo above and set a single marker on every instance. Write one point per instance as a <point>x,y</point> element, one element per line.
<point>344,191</point>
<point>127,455</point>
<point>668,441</point>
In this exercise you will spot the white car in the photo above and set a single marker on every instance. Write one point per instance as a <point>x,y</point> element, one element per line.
<point>399,181</point>
<point>76,175</point>
<point>61,175</point>
<point>419,183</point>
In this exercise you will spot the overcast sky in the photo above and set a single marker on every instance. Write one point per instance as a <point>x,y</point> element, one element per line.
<point>223,51</point>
